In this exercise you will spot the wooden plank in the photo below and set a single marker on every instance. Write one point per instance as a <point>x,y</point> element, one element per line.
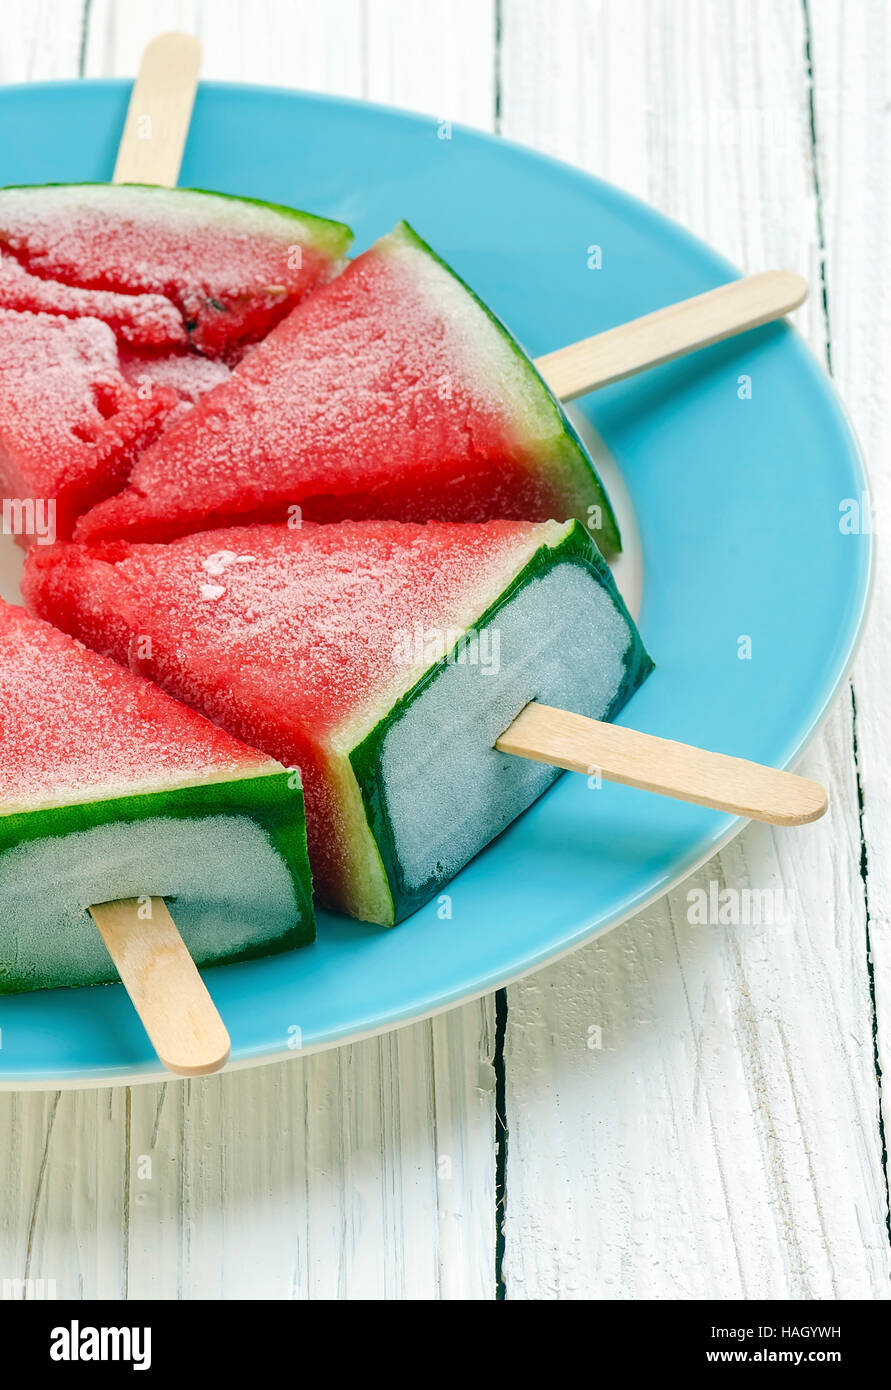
<point>63,1182</point>
<point>692,1109</point>
<point>366,1172</point>
<point>850,52</point>
<point>165,988</point>
<point>40,41</point>
<point>436,59</point>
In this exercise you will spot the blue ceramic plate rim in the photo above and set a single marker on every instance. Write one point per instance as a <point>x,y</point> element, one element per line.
<point>105,1068</point>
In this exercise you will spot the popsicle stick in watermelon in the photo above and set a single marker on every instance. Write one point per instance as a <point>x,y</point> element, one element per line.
<point>164,986</point>
<point>561,738</point>
<point>116,801</point>
<point>403,668</point>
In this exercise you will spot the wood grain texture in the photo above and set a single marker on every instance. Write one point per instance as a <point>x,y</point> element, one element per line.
<point>160,111</point>
<point>692,1109</point>
<point>364,1172</point>
<point>40,41</point>
<point>436,59</point>
<point>636,759</point>
<point>302,44</point>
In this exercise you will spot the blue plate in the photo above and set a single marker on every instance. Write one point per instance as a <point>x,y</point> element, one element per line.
<point>737,500</point>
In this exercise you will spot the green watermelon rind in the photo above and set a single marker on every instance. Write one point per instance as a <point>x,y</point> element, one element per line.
<point>330,236</point>
<point>577,547</point>
<point>269,799</point>
<point>571,448</point>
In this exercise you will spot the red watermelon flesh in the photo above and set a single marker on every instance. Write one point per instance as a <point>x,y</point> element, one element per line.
<point>310,643</point>
<point>70,425</point>
<point>109,789</point>
<point>390,392</point>
<point>75,724</point>
<point>187,374</point>
<point>229,268</point>
<point>141,320</point>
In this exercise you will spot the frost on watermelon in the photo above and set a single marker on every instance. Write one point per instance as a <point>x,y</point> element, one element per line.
<point>391,392</point>
<point>187,374</point>
<point>108,789</point>
<point>163,266</point>
<point>70,425</point>
<point>140,320</point>
<point>383,659</point>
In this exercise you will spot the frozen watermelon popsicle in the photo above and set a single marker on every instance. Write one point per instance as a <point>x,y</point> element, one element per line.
<point>400,667</point>
<point>112,794</point>
<point>120,304</point>
<point>168,269</point>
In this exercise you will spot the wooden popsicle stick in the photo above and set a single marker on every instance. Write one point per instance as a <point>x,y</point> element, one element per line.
<point>555,736</point>
<point>163,982</point>
<point>671,332</point>
<point>151,148</point>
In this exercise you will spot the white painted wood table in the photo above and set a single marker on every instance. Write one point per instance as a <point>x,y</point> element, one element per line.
<point>726,1137</point>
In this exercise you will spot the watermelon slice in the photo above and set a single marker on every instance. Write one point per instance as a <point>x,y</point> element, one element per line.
<point>219,271</point>
<point>383,659</point>
<point>108,789</point>
<point>391,392</point>
<point>70,425</point>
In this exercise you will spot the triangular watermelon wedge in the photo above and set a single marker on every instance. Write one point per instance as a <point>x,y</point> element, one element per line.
<point>199,267</point>
<point>392,392</point>
<point>383,659</point>
<point>109,789</point>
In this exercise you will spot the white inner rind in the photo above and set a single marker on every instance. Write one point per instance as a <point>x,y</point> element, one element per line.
<point>227,887</point>
<point>447,790</point>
